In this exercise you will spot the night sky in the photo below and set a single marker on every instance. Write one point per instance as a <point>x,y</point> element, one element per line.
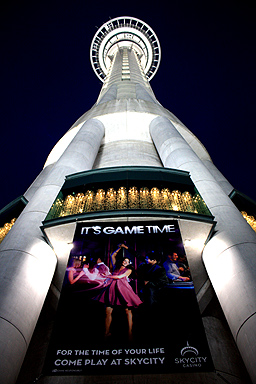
<point>207,78</point>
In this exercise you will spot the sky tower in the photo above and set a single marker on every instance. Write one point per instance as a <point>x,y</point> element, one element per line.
<point>129,171</point>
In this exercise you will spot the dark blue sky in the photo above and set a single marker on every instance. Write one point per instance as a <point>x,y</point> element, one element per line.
<point>206,78</point>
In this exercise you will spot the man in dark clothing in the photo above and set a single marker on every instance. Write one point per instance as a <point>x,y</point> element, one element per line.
<point>154,277</point>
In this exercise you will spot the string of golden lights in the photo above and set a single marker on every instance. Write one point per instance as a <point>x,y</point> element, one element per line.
<point>133,198</point>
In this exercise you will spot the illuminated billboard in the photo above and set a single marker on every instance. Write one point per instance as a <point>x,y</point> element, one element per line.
<point>127,304</point>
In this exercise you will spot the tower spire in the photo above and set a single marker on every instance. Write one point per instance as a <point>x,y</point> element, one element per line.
<point>126,32</point>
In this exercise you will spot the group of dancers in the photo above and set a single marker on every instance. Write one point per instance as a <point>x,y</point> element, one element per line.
<point>113,288</point>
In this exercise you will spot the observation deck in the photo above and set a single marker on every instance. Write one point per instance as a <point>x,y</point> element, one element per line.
<point>130,33</point>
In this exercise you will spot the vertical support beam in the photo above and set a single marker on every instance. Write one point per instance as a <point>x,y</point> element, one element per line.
<point>27,262</point>
<point>229,256</point>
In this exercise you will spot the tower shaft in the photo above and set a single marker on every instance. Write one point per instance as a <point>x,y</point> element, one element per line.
<point>124,93</point>
<point>125,69</point>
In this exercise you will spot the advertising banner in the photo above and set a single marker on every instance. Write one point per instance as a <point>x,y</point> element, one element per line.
<point>128,304</point>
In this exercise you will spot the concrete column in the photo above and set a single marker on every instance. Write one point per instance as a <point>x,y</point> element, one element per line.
<point>37,182</point>
<point>27,262</point>
<point>229,256</point>
<point>219,177</point>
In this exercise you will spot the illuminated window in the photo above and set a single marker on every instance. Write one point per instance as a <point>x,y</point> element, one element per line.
<point>246,206</point>
<point>124,188</point>
<point>9,214</point>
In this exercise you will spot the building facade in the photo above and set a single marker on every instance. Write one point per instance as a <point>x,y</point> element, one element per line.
<point>128,160</point>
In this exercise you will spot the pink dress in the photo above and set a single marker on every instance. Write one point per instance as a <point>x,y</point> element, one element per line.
<point>118,292</point>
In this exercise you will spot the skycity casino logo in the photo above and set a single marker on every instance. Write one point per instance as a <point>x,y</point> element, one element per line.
<point>189,358</point>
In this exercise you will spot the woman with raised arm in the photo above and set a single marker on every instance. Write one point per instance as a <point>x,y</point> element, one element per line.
<point>118,292</point>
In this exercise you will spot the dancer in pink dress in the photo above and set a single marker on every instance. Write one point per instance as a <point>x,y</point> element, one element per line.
<point>118,292</point>
<point>73,272</point>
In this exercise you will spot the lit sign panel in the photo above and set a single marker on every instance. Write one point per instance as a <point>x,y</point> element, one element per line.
<point>128,304</point>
